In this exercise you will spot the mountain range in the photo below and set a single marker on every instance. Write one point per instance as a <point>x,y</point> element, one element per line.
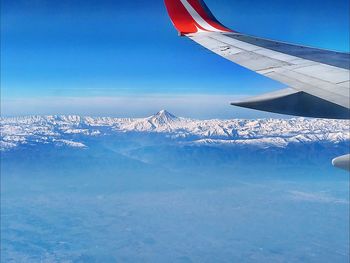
<point>263,133</point>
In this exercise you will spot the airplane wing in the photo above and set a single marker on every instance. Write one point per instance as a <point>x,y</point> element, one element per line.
<point>318,80</point>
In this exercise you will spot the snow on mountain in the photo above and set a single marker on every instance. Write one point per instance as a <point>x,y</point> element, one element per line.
<point>262,133</point>
<point>162,118</point>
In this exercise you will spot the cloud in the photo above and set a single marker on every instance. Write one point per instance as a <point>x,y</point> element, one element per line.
<point>316,197</point>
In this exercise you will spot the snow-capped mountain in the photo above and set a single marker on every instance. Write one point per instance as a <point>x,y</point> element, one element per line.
<point>68,130</point>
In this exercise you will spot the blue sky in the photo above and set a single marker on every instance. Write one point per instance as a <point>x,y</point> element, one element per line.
<point>123,58</point>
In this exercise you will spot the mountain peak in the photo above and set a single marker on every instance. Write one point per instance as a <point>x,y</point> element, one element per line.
<point>165,113</point>
<point>163,117</point>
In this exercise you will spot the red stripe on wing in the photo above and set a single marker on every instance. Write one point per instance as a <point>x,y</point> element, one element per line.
<point>180,17</point>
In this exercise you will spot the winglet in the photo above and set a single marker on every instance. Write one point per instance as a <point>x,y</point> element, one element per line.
<point>192,16</point>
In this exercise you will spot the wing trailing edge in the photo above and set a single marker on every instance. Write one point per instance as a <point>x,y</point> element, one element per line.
<point>292,102</point>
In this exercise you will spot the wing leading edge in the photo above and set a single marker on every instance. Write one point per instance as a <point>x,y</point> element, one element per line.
<point>319,80</point>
